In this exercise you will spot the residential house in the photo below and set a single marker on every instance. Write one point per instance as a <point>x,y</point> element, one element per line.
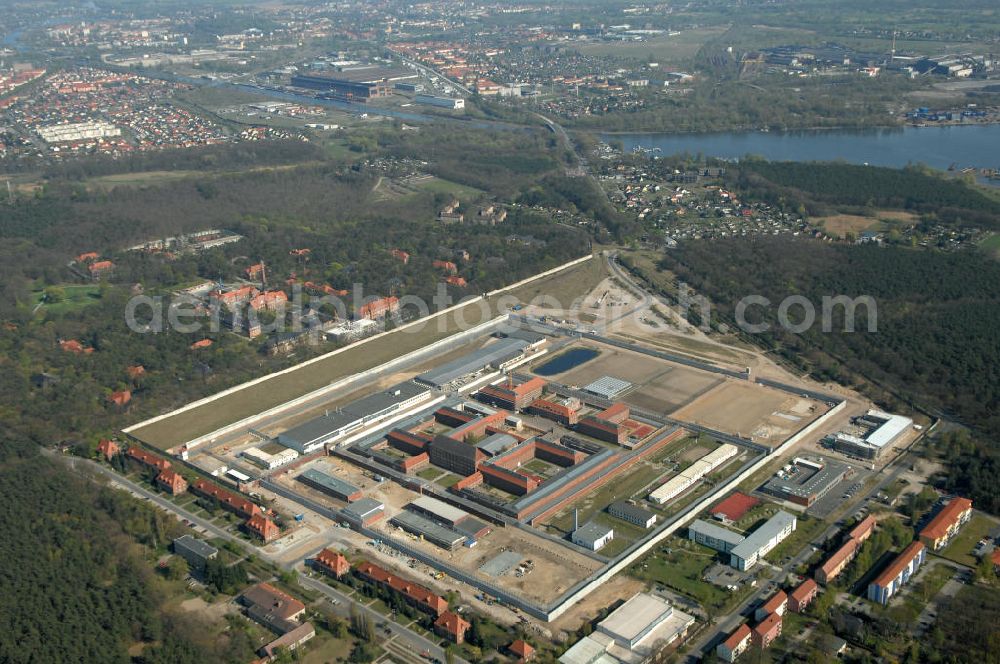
<point>171,481</point>
<point>107,448</point>
<point>452,626</point>
<point>735,644</point>
<point>946,524</point>
<point>769,629</point>
<point>802,596</point>
<point>332,562</point>
<point>263,528</point>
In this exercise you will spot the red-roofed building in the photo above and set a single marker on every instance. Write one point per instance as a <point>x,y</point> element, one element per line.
<point>457,282</point>
<point>601,429</point>
<point>107,448</point>
<point>837,561</point>
<point>415,594</point>
<point>136,371</point>
<point>204,343</point>
<point>268,300</point>
<point>235,297</point>
<point>120,398</point>
<point>140,455</point>
<point>863,530</point>
<point>300,252</point>
<point>262,527</point>
<point>946,524</point>
<point>734,507</point>
<point>899,571</point>
<point>511,396</point>
<point>379,308</point>
<point>735,645</point>
<point>555,411</point>
<point>74,346</point>
<point>764,634</point>
<point>776,604</point>
<point>254,271</point>
<point>171,481</point>
<point>230,501</point>
<point>452,626</point>
<point>447,266</point>
<point>332,562</point>
<point>802,596</point>
<point>996,560</point>
<point>99,269</point>
<point>522,650</point>
<point>87,257</point>
<point>400,255</point>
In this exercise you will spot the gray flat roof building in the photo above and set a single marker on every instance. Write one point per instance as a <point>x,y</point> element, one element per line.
<point>433,532</point>
<point>807,481</point>
<point>746,554</point>
<point>362,510</point>
<point>497,443</point>
<point>593,535</point>
<point>713,536</point>
<point>195,551</point>
<point>312,435</point>
<point>632,514</point>
<point>492,355</point>
<point>329,485</point>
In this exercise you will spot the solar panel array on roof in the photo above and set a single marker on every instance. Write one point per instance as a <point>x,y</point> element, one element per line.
<point>608,387</point>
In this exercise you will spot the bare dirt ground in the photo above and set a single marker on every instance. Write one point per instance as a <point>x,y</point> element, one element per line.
<point>620,586</point>
<point>769,416</point>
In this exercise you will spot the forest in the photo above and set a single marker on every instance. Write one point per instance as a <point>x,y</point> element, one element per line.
<point>77,577</point>
<point>937,343</point>
<point>818,188</point>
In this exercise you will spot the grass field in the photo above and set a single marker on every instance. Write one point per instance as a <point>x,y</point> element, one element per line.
<point>439,186</point>
<point>991,245</point>
<point>960,548</point>
<point>673,49</point>
<point>681,570</point>
<point>172,431</point>
<point>76,297</point>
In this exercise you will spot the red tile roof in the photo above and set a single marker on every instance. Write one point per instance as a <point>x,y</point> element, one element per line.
<point>144,457</point>
<point>897,565</point>
<point>230,500</point>
<point>454,624</point>
<point>775,602</point>
<point>120,398</point>
<point>263,527</point>
<point>333,561</point>
<point>805,589</point>
<point>849,548</point>
<point>863,529</point>
<point>938,527</point>
<point>204,343</point>
<point>415,592</point>
<point>737,637</point>
<point>768,625</point>
<point>522,649</point>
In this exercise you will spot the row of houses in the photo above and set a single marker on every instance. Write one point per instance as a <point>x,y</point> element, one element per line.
<point>769,617</point>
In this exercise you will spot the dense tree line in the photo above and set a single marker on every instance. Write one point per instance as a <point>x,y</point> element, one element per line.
<point>937,344</point>
<point>76,583</point>
<point>815,188</point>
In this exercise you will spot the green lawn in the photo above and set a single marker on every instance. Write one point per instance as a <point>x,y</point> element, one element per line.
<point>682,570</point>
<point>663,49</point>
<point>805,530</point>
<point>441,186</point>
<point>991,245</point>
<point>623,487</point>
<point>447,481</point>
<point>430,473</point>
<point>960,548</point>
<point>74,297</point>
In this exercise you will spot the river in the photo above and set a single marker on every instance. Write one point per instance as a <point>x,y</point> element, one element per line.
<point>976,145</point>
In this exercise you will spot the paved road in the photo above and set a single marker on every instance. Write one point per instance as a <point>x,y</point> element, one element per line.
<point>727,623</point>
<point>413,641</point>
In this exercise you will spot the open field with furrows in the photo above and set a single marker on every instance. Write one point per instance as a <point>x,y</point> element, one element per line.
<point>555,567</point>
<point>767,415</point>
<point>208,417</point>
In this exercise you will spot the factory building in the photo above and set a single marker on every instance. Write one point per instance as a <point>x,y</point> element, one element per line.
<point>424,528</point>
<point>634,632</point>
<point>804,481</point>
<point>746,554</point>
<point>329,485</point>
<point>356,84</point>
<point>899,572</point>
<point>453,103</point>
<point>363,512</point>
<point>449,516</point>
<point>883,430</point>
<point>496,356</point>
<point>317,432</point>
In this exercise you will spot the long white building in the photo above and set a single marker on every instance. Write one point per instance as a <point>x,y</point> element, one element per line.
<point>681,482</point>
<point>745,555</point>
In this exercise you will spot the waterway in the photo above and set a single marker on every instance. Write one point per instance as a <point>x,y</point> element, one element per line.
<point>571,359</point>
<point>974,145</point>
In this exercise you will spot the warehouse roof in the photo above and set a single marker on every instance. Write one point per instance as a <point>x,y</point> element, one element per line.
<point>438,508</point>
<point>498,352</point>
<point>435,532</point>
<point>636,618</point>
<point>497,443</point>
<point>328,482</point>
<point>362,509</point>
<point>891,427</point>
